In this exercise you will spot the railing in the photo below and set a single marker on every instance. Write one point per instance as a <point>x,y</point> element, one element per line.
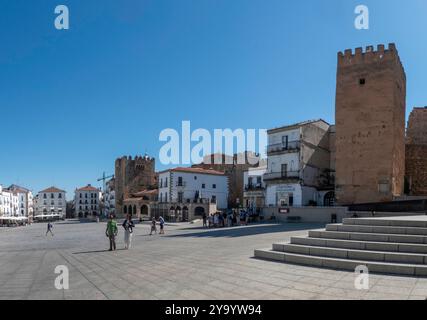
<point>180,184</point>
<point>254,187</point>
<point>280,147</point>
<point>282,175</point>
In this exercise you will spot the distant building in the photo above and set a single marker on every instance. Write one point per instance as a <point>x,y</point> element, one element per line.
<point>188,193</point>
<point>298,165</point>
<point>25,201</point>
<point>87,201</point>
<point>255,189</point>
<point>132,176</point>
<point>233,167</point>
<point>416,153</point>
<point>109,198</point>
<point>9,203</point>
<point>51,203</point>
<point>141,204</point>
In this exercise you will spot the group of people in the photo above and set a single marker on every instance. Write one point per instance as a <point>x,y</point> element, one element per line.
<point>112,230</point>
<point>226,219</point>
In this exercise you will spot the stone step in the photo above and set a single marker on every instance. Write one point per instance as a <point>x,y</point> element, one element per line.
<point>374,237</point>
<point>365,255</point>
<point>377,229</point>
<point>342,264</point>
<point>389,222</point>
<point>358,245</point>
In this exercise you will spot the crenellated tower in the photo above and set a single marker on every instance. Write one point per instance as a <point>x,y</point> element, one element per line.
<point>370,125</point>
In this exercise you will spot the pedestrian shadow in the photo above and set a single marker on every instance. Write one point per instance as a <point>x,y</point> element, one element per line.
<point>97,251</point>
<point>248,230</point>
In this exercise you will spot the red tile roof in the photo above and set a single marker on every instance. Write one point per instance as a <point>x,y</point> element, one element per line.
<point>198,170</point>
<point>52,190</point>
<point>88,188</point>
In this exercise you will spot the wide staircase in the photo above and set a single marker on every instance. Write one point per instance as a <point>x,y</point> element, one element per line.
<point>396,245</point>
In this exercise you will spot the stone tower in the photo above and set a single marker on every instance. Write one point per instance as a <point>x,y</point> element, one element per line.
<point>416,153</point>
<point>370,125</point>
<point>132,176</point>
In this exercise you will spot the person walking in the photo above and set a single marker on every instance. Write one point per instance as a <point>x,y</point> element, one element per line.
<point>49,229</point>
<point>112,232</point>
<point>128,225</point>
<point>205,223</point>
<point>162,225</point>
<point>153,226</point>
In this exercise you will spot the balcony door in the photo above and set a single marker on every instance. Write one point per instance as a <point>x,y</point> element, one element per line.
<point>285,142</point>
<point>284,170</point>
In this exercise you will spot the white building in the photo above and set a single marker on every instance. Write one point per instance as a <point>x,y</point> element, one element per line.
<point>187,193</point>
<point>25,201</point>
<point>298,165</point>
<point>87,201</point>
<point>9,203</point>
<point>255,188</point>
<point>109,198</point>
<point>51,202</point>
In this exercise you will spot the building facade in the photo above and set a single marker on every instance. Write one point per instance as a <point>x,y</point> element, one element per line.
<point>188,193</point>
<point>255,189</point>
<point>132,176</point>
<point>87,201</point>
<point>233,167</point>
<point>9,203</point>
<point>370,125</point>
<point>298,165</point>
<point>51,202</point>
<point>109,198</point>
<point>416,153</point>
<point>25,201</point>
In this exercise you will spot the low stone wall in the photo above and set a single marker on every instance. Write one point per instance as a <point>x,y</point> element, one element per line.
<point>308,214</point>
<point>324,214</point>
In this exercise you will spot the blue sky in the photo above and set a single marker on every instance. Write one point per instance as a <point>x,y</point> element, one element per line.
<point>73,101</point>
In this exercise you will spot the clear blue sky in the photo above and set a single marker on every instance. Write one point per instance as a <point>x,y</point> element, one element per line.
<point>73,101</point>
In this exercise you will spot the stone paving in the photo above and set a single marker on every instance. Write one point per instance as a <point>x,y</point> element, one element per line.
<point>188,262</point>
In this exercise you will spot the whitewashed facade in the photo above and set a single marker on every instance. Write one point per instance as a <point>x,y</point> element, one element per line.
<point>255,188</point>
<point>51,201</point>
<point>9,203</point>
<point>185,185</point>
<point>298,160</point>
<point>87,201</point>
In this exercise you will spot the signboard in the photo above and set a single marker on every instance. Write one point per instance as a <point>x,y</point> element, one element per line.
<point>284,210</point>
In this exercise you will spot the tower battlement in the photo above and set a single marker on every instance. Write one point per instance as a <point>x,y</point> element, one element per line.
<point>369,55</point>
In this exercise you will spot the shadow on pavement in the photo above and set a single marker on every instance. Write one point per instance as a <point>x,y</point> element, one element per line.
<point>248,230</point>
<point>96,251</point>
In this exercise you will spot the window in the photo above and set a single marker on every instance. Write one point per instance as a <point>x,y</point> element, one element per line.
<point>203,186</point>
<point>214,186</point>
<point>180,184</point>
<point>166,197</point>
<point>80,195</point>
<point>362,81</point>
<point>161,184</point>
<point>180,196</point>
<point>195,177</point>
<point>52,196</point>
<point>44,196</point>
<point>285,141</point>
<point>161,197</point>
<point>284,170</point>
<point>166,182</point>
<point>60,196</point>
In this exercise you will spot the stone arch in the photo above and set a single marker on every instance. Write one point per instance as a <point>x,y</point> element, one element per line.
<point>199,211</point>
<point>144,210</point>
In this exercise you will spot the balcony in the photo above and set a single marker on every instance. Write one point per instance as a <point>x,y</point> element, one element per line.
<point>180,184</point>
<point>254,187</point>
<point>292,146</point>
<point>288,175</point>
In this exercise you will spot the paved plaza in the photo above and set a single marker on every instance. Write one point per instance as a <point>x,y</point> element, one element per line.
<point>189,262</point>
